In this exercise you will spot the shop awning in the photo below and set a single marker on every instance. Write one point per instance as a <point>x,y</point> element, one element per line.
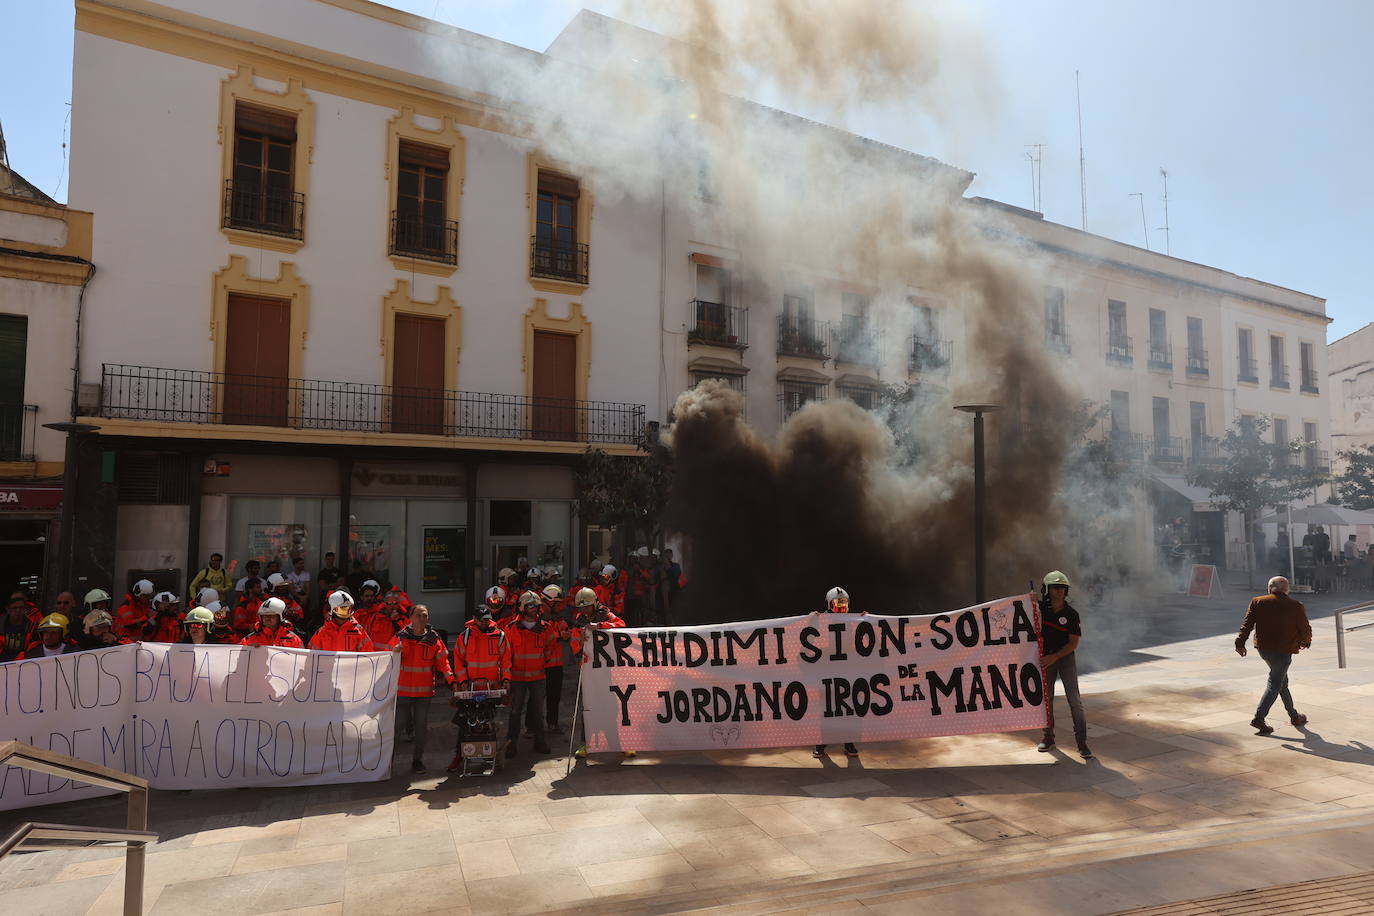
<point>1199,497</point>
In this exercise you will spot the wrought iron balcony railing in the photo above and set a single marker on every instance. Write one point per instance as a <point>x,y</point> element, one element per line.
<point>803,337</point>
<point>1128,446</point>
<point>1309,381</point>
<point>18,426</point>
<point>1119,349</point>
<point>859,342</point>
<point>1168,449</point>
<point>1197,362</point>
<point>1161,355</point>
<point>191,396</point>
<point>717,324</point>
<point>1248,371</point>
<point>929,354</point>
<point>793,396</point>
<point>255,209</point>
<point>1203,450</point>
<point>554,259</point>
<point>1278,375</point>
<point>413,237</point>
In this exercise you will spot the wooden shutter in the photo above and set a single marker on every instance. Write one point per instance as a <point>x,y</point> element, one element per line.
<point>280,125</point>
<point>417,375</point>
<point>14,344</point>
<point>555,386</point>
<point>257,353</point>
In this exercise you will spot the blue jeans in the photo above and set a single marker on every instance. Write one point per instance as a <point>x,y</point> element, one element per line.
<point>1277,687</point>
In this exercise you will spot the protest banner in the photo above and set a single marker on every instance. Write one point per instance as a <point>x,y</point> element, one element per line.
<point>818,679</point>
<point>201,717</point>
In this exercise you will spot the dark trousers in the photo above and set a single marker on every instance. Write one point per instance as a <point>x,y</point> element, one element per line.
<point>412,713</point>
<point>527,702</point>
<point>1277,686</point>
<point>553,694</point>
<point>1066,671</point>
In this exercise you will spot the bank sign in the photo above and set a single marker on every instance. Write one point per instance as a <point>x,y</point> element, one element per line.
<point>25,499</point>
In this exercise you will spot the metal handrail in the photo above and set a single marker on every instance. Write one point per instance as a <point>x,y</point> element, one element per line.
<point>1342,629</point>
<point>135,836</point>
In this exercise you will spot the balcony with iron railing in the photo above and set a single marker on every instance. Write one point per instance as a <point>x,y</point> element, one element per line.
<point>1197,362</point>
<point>1314,459</point>
<point>1119,350</point>
<point>252,208</point>
<point>1161,355</point>
<point>803,337</point>
<point>1278,375</point>
<point>1309,381</point>
<point>859,342</point>
<point>1057,337</point>
<point>1248,371</point>
<point>1128,446</point>
<point>1205,450</point>
<point>929,354</point>
<point>413,237</point>
<point>196,397</point>
<point>1168,450</point>
<point>793,396</point>
<point>555,259</point>
<point>18,427</point>
<point>717,324</point>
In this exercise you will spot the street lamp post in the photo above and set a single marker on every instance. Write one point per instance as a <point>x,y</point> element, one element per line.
<point>979,500</point>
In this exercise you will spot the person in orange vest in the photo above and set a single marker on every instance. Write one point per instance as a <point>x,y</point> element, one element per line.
<point>509,582</point>
<point>554,618</point>
<point>397,606</point>
<point>374,616</point>
<point>589,614</point>
<point>133,615</point>
<point>423,656</point>
<point>52,639</point>
<point>221,630</point>
<point>166,623</point>
<point>245,615</point>
<point>279,587</point>
<point>98,632</point>
<point>273,629</point>
<point>529,645</point>
<point>341,633</point>
<point>480,653</point>
<point>610,590</point>
<point>369,594</point>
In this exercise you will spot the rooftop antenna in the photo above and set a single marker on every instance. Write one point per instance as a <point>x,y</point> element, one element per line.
<point>1168,249</point>
<point>1037,199</point>
<point>1082,168</point>
<point>1143,228</point>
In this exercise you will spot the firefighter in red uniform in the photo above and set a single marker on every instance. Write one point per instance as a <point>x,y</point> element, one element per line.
<point>397,599</point>
<point>836,602</point>
<point>341,633</point>
<point>529,644</point>
<point>273,629</point>
<point>374,616</point>
<point>221,630</point>
<point>52,639</point>
<point>133,615</point>
<point>610,590</point>
<point>589,614</point>
<point>423,656</point>
<point>99,632</point>
<point>279,587</point>
<point>166,623</point>
<point>480,653</point>
<point>509,581</point>
<point>495,601</point>
<point>556,621</point>
<point>245,615</point>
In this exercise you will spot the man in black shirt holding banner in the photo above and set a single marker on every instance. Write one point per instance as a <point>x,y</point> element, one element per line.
<point>1061,630</point>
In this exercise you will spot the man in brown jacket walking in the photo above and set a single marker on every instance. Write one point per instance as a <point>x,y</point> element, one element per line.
<point>1281,630</point>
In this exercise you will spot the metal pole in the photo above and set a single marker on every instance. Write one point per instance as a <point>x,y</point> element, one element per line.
<point>1340,639</point>
<point>1292,570</point>
<point>572,726</point>
<point>979,497</point>
<point>134,856</point>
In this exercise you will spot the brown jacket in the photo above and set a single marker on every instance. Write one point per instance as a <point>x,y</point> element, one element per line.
<point>1280,624</point>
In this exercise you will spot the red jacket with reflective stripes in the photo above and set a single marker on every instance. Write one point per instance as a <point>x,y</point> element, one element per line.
<point>422,657</point>
<point>342,636</point>
<point>613,595</point>
<point>245,616</point>
<point>528,650</point>
<point>168,629</point>
<point>283,635</point>
<point>481,655</point>
<point>378,625</point>
<point>131,617</point>
<point>558,633</point>
<point>579,631</point>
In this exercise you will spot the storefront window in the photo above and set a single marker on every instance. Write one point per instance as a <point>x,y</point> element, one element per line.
<point>377,541</point>
<point>266,528</point>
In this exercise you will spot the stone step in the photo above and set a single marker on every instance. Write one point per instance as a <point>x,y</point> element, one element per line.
<point>807,893</point>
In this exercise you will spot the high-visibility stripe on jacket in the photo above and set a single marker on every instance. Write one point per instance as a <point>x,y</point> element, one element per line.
<point>579,631</point>
<point>479,655</point>
<point>131,617</point>
<point>341,636</point>
<point>283,635</point>
<point>168,629</point>
<point>378,625</point>
<point>528,650</point>
<point>558,633</point>
<point>422,656</point>
<point>245,616</point>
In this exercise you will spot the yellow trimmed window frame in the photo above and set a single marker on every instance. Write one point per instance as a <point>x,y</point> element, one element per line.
<point>535,162</point>
<point>241,87</point>
<point>576,324</point>
<point>403,127</point>
<point>287,286</point>
<point>400,302</point>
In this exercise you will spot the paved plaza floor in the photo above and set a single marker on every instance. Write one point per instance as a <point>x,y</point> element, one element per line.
<point>1183,804</point>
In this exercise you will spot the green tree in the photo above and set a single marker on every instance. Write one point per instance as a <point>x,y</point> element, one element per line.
<point>627,491</point>
<point>1256,474</point>
<point>1355,487</point>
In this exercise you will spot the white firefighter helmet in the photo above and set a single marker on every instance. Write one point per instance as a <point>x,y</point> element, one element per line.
<point>585,598</point>
<point>276,579</point>
<point>608,571</point>
<point>496,595</point>
<point>206,595</point>
<point>372,584</point>
<point>272,606</point>
<point>143,588</point>
<point>642,552</point>
<point>95,596</point>
<point>165,598</point>
<point>341,603</point>
<point>836,594</point>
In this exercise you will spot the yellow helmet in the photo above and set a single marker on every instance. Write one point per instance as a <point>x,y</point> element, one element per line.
<point>54,621</point>
<point>1055,577</point>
